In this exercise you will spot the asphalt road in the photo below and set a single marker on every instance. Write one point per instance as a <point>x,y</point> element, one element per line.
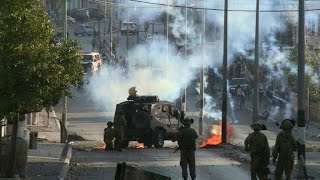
<point>211,164</point>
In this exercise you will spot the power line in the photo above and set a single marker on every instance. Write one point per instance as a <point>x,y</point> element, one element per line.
<point>219,9</point>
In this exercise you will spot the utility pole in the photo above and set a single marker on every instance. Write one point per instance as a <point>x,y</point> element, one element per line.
<point>105,19</point>
<point>203,41</point>
<point>255,103</point>
<point>138,30</point>
<point>128,38</point>
<point>110,28</point>
<point>301,94</point>
<point>167,25</point>
<point>12,161</point>
<point>224,74</point>
<point>184,99</point>
<point>63,132</point>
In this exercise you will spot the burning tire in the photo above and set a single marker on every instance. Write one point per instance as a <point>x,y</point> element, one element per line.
<point>158,138</point>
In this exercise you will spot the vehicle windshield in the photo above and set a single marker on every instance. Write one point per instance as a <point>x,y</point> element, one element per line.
<point>239,81</point>
<point>87,58</point>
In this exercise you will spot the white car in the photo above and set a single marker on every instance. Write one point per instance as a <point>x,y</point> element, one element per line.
<point>129,27</point>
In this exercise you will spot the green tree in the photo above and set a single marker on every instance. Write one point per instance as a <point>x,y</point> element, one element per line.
<point>311,75</point>
<point>33,73</point>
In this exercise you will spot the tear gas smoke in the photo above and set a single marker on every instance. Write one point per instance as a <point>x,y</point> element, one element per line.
<point>154,74</point>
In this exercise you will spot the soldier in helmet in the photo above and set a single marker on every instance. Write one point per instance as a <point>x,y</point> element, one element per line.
<point>119,124</point>
<point>187,144</point>
<point>284,149</point>
<point>109,136</point>
<point>257,145</point>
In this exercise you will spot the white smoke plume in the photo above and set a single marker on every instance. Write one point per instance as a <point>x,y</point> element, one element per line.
<point>157,68</point>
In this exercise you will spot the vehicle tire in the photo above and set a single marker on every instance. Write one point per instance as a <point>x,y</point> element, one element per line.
<point>125,144</point>
<point>158,138</point>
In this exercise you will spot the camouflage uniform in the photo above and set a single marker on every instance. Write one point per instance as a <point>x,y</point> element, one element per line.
<point>119,123</point>
<point>257,145</point>
<point>285,145</point>
<point>109,136</point>
<point>187,145</point>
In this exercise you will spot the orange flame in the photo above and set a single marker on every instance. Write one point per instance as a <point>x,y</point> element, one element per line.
<point>140,146</point>
<point>100,147</point>
<point>216,136</point>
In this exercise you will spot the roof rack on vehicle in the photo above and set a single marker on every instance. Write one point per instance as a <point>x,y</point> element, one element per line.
<point>146,99</point>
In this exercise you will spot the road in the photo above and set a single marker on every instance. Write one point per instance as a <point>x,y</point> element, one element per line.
<point>102,165</point>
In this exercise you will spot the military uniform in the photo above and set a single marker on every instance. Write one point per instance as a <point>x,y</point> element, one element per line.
<point>257,145</point>
<point>285,146</point>
<point>187,145</point>
<point>119,123</point>
<point>109,136</point>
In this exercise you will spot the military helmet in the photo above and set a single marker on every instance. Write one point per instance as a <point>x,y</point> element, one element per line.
<point>256,126</point>
<point>287,124</point>
<point>109,123</point>
<point>187,121</point>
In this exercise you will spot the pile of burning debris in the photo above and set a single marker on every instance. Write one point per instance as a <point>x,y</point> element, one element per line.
<point>215,135</point>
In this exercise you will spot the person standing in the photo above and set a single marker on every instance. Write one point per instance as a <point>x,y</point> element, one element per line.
<point>187,144</point>
<point>257,145</point>
<point>238,91</point>
<point>109,136</point>
<point>284,149</point>
<point>119,124</point>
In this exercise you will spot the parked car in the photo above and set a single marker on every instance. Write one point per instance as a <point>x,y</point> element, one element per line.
<point>129,27</point>
<point>96,13</point>
<point>79,14</point>
<point>84,30</point>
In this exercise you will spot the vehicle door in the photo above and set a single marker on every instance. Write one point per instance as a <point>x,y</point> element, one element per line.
<point>174,119</point>
<point>165,117</point>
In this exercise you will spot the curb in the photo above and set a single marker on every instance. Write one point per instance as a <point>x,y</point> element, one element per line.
<point>65,159</point>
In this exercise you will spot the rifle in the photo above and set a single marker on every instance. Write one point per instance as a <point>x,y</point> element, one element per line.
<point>177,149</point>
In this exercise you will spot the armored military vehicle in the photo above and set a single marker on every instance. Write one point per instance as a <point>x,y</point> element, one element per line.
<point>149,120</point>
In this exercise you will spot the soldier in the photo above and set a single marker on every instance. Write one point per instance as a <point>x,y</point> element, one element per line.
<point>132,93</point>
<point>257,145</point>
<point>284,149</point>
<point>119,123</point>
<point>187,144</point>
<point>109,136</point>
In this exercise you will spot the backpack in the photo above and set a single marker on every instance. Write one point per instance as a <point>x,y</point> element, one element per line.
<point>286,148</point>
<point>257,144</point>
